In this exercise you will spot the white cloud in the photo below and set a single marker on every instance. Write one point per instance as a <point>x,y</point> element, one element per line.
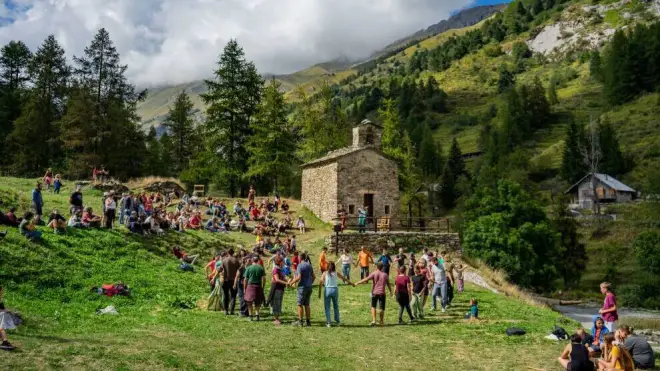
<point>175,41</point>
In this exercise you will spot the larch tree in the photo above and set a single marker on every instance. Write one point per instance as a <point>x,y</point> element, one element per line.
<point>35,138</point>
<point>181,131</point>
<point>232,99</point>
<point>101,123</point>
<point>14,62</point>
<point>272,145</point>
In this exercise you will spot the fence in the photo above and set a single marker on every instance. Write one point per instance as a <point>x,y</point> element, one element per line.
<point>395,224</point>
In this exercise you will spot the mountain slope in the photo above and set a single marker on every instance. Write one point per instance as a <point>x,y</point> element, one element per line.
<point>153,110</point>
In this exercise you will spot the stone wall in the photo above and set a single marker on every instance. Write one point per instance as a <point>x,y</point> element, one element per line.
<point>368,172</point>
<point>410,241</point>
<point>319,190</point>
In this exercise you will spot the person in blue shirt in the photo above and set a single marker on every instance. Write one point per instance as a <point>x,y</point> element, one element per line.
<point>37,202</point>
<point>386,259</point>
<point>57,184</point>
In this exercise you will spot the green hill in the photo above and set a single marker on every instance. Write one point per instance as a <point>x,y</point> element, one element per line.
<point>164,325</point>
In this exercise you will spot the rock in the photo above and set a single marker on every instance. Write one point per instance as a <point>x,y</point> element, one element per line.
<point>166,187</point>
<point>111,185</point>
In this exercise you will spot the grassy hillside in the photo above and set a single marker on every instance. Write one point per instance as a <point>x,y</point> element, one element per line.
<point>164,326</point>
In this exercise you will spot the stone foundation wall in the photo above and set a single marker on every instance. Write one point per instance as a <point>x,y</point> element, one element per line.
<point>410,241</point>
<point>319,190</point>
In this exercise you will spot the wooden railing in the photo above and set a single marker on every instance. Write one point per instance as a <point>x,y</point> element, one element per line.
<point>396,224</point>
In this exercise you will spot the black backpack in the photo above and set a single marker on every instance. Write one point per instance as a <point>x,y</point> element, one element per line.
<point>514,331</point>
<point>560,333</point>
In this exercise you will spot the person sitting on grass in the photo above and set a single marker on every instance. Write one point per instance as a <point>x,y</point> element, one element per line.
<point>473,314</point>
<point>75,221</point>
<point>90,219</point>
<point>586,338</point>
<point>57,222</point>
<point>639,348</point>
<point>6,323</point>
<point>212,225</point>
<point>11,219</point>
<point>380,281</point>
<point>615,357</point>
<point>28,229</point>
<point>575,356</point>
<point>195,222</point>
<point>598,332</point>
<point>329,282</point>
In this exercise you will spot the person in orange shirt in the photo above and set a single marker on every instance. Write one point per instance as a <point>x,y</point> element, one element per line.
<point>323,261</point>
<point>364,258</point>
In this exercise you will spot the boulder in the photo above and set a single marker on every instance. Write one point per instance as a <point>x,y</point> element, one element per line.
<point>111,185</point>
<point>166,187</point>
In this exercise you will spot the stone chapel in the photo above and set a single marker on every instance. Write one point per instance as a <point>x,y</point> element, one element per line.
<point>356,176</point>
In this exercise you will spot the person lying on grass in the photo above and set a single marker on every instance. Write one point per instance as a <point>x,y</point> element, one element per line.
<point>380,280</point>
<point>575,356</point>
<point>6,323</point>
<point>183,256</point>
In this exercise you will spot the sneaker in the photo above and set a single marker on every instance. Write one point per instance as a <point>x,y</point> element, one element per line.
<point>401,322</point>
<point>297,324</point>
<point>258,318</point>
<point>373,324</point>
<point>328,325</point>
<point>337,324</point>
<point>443,310</point>
<point>309,323</point>
<point>7,346</point>
<point>413,319</point>
<point>251,319</point>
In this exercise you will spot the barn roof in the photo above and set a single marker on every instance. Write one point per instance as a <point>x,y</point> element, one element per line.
<point>342,152</point>
<point>608,180</point>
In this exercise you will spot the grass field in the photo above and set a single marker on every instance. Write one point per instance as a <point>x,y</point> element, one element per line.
<point>163,325</point>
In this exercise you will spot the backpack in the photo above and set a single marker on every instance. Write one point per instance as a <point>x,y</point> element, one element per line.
<point>560,333</point>
<point>514,331</point>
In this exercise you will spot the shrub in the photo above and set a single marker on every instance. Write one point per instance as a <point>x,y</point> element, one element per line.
<point>647,249</point>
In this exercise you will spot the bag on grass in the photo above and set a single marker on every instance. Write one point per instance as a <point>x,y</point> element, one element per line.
<point>515,331</point>
<point>560,333</point>
<point>186,267</point>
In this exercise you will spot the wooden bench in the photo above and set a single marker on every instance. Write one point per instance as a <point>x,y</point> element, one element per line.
<point>384,224</point>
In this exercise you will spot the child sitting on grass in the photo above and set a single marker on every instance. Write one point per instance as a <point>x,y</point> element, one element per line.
<point>27,228</point>
<point>57,222</point>
<point>473,314</point>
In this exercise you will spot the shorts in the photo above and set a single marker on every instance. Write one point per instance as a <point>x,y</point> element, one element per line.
<point>254,294</point>
<point>304,295</point>
<point>378,300</point>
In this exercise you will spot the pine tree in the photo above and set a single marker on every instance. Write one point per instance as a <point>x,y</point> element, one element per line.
<point>448,191</point>
<point>455,161</point>
<point>233,99</point>
<point>182,134</point>
<point>100,126</point>
<point>153,165</point>
<point>272,145</point>
<point>538,7</point>
<point>572,164</point>
<point>430,162</point>
<point>391,141</point>
<point>166,157</point>
<point>617,70</point>
<point>595,66</point>
<point>573,260</point>
<point>14,62</point>
<point>506,79</point>
<point>49,73</point>
<point>612,161</point>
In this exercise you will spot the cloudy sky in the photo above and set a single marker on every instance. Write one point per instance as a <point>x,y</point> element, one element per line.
<point>175,41</point>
